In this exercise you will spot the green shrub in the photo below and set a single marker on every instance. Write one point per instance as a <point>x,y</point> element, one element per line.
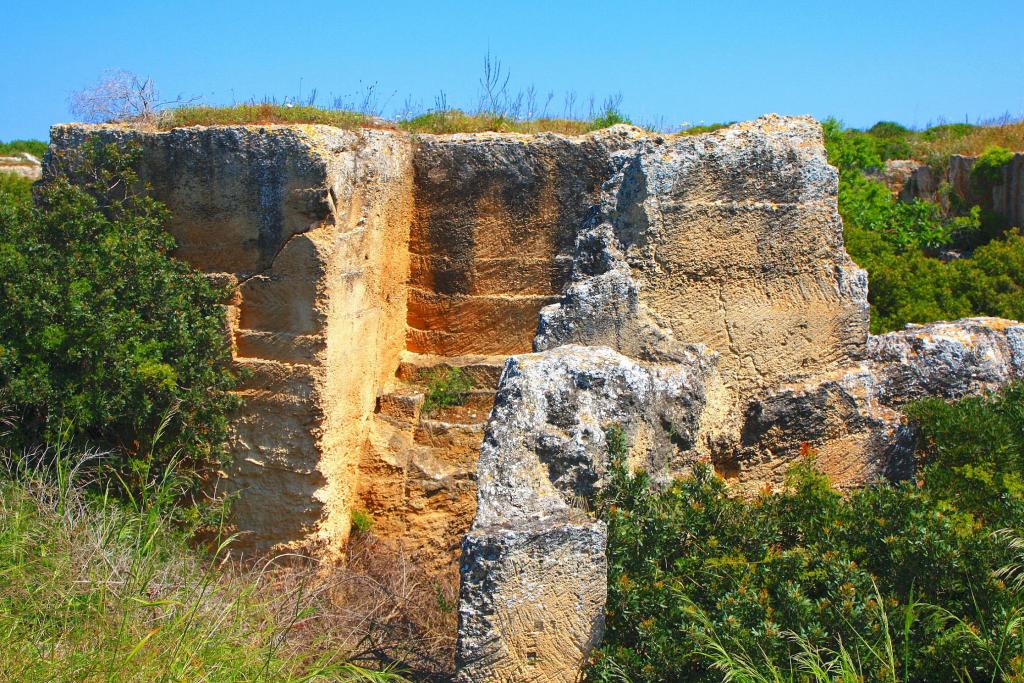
<point>36,148</point>
<point>15,189</point>
<point>910,286</point>
<point>362,522</point>
<point>104,337</point>
<point>608,118</point>
<point>869,205</point>
<point>889,129</point>
<point>446,387</point>
<point>896,242</point>
<point>973,453</point>
<point>895,583</point>
<point>988,169</point>
<point>948,131</point>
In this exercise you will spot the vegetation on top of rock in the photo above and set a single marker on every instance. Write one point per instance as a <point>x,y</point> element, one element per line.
<point>446,387</point>
<point>990,164</point>
<point>899,243</point>
<point>908,582</point>
<point>437,122</point>
<point>36,148</point>
<point>105,339</point>
<point>263,114</point>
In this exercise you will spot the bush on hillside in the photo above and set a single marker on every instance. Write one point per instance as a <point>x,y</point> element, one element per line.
<point>105,338</point>
<point>912,287</point>
<point>988,168</point>
<point>890,583</point>
<point>36,148</point>
<point>973,454</point>
<point>15,189</point>
<point>898,243</point>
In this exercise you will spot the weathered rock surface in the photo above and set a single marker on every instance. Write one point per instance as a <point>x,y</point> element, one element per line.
<point>492,237</point>
<point>531,600</point>
<point>734,242</point>
<point>910,180</point>
<point>947,359</point>
<point>303,219</point>
<point>22,164</point>
<point>533,568</point>
<point>732,239</point>
<point>693,290</point>
<point>544,450</point>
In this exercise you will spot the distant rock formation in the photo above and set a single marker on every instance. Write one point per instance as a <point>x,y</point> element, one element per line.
<point>910,180</point>
<point>23,164</point>
<point>692,290</point>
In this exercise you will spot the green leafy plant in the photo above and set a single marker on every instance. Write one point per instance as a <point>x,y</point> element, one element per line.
<point>446,387</point>
<point>105,338</point>
<point>15,189</point>
<point>886,583</point>
<point>36,148</point>
<point>988,169</point>
<point>362,522</point>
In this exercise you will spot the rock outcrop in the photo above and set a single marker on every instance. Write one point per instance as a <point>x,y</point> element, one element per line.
<point>733,241</point>
<point>23,164</point>
<point>303,220</point>
<point>692,290</point>
<point>910,180</point>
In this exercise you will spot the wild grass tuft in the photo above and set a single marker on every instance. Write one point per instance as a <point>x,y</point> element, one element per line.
<point>92,590</point>
<point>264,114</point>
<point>446,387</point>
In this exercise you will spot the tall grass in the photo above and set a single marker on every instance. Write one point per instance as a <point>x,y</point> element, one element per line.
<point>940,142</point>
<point>93,590</point>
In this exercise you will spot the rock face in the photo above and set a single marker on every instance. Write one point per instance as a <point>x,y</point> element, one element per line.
<point>303,219</point>
<point>733,241</point>
<point>22,164</point>
<point>692,290</point>
<point>533,568</point>
<point>910,180</point>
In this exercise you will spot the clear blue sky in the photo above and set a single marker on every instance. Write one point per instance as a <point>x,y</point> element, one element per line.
<point>860,60</point>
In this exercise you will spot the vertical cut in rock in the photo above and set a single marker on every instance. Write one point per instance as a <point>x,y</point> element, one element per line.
<point>304,219</point>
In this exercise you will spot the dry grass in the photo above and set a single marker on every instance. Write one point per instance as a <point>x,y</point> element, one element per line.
<point>264,114</point>
<point>455,121</point>
<point>442,122</point>
<point>941,142</point>
<point>394,611</point>
<point>91,590</point>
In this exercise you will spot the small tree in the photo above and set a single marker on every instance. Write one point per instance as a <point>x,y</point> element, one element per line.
<point>119,96</point>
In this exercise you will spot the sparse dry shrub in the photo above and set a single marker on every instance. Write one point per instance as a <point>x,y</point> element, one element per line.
<point>119,95</point>
<point>377,605</point>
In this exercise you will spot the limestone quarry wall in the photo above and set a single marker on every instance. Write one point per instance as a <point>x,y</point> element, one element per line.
<point>303,220</point>
<point>368,260</point>
<point>694,291</point>
<point>492,239</point>
<point>910,180</point>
